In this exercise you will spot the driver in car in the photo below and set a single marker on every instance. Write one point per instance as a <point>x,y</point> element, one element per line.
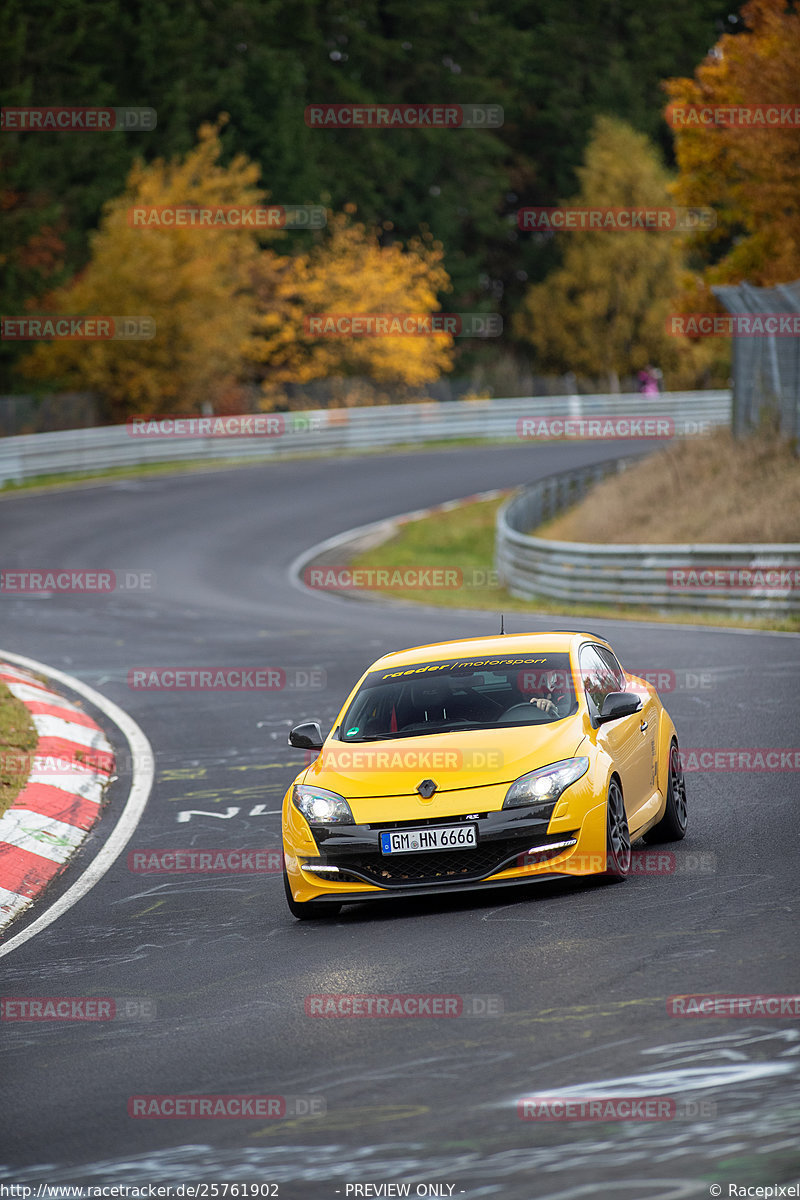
<point>553,697</point>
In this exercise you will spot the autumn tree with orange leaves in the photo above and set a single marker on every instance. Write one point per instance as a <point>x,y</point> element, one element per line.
<point>192,282</point>
<point>749,174</point>
<point>228,307</point>
<point>349,272</point>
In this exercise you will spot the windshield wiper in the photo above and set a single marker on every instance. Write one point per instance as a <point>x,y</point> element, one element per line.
<point>372,737</point>
<point>423,732</point>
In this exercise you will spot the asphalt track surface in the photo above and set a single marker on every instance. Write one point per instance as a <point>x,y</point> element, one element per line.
<point>582,969</point>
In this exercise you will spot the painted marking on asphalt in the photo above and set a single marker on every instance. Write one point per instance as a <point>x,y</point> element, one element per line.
<point>141,784</point>
<point>186,814</point>
<point>263,766</point>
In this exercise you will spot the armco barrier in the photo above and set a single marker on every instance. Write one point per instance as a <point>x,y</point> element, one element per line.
<point>584,573</point>
<point>323,431</point>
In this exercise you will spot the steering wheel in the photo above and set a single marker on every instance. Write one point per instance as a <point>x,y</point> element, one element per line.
<point>524,710</point>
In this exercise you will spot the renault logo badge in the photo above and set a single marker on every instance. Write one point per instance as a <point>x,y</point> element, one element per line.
<point>427,788</point>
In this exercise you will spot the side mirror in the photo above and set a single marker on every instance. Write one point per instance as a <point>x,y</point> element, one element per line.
<point>307,736</point>
<point>618,704</point>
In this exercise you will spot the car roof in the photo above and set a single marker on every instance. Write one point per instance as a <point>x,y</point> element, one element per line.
<point>553,641</point>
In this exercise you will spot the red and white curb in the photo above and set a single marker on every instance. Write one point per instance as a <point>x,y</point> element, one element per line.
<point>50,818</point>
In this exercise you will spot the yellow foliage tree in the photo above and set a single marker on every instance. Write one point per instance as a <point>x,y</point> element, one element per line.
<point>604,311</point>
<point>348,271</point>
<point>193,282</point>
<point>750,174</point>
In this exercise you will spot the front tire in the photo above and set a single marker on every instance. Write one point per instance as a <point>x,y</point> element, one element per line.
<point>672,826</point>
<point>307,910</point>
<point>618,838</point>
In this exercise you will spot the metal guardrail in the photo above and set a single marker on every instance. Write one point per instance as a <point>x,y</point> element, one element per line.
<point>326,431</point>
<point>667,577</point>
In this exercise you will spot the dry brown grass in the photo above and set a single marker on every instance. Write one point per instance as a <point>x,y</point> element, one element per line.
<point>710,489</point>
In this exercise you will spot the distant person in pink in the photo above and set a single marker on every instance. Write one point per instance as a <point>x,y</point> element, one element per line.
<point>648,382</point>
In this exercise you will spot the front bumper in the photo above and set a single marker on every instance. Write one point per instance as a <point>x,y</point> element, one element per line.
<point>348,865</point>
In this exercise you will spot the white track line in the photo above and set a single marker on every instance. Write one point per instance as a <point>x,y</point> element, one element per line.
<point>141,784</point>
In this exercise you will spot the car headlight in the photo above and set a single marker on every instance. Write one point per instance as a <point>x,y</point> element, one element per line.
<point>545,785</point>
<point>320,807</point>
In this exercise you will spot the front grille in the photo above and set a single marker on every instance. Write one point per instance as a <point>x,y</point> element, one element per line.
<point>428,822</point>
<point>444,866</point>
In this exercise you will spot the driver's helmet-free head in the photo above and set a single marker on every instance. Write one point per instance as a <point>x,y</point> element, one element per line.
<point>554,683</point>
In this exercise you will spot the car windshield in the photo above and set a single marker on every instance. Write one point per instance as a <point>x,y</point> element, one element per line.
<point>442,697</point>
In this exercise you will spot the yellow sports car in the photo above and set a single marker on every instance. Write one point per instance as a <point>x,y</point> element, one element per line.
<point>480,763</point>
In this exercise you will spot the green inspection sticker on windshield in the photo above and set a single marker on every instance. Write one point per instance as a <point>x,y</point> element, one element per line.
<point>350,732</point>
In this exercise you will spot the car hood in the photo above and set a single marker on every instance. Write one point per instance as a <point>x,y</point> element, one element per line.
<point>454,761</point>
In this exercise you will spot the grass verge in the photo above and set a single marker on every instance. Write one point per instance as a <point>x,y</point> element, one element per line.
<point>18,740</point>
<point>715,488</point>
<point>463,539</point>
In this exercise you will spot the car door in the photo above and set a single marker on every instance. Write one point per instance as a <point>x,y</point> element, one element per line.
<point>622,739</point>
<point>648,727</point>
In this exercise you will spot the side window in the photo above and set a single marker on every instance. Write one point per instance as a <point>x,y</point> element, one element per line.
<point>597,676</point>
<point>613,665</point>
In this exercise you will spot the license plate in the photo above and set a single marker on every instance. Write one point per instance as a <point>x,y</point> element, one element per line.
<point>439,837</point>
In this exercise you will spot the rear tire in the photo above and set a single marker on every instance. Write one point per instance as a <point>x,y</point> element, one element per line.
<point>307,910</point>
<point>618,838</point>
<point>672,826</point>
